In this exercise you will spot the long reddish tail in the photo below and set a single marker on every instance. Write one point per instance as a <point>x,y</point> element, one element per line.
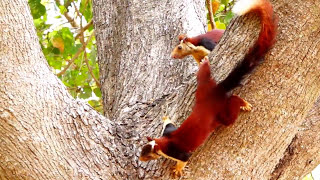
<point>263,9</point>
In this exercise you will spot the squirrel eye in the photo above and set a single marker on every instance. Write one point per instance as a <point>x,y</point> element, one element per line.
<point>179,47</point>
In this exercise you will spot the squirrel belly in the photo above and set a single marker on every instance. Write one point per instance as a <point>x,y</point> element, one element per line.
<point>214,105</point>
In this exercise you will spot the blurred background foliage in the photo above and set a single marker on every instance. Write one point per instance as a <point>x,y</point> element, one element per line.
<point>66,36</point>
<point>222,14</point>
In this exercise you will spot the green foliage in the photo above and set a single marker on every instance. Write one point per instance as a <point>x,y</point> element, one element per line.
<point>223,14</point>
<point>37,9</point>
<point>62,45</point>
<point>86,9</point>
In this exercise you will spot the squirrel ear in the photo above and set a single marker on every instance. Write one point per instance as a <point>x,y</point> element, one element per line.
<point>149,138</point>
<point>182,37</point>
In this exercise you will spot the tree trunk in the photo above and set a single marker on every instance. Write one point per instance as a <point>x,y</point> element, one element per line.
<point>45,134</point>
<point>303,149</point>
<point>281,98</point>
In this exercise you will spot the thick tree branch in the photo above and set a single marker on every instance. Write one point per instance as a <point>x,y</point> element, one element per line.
<point>127,45</point>
<point>48,135</point>
<point>44,132</point>
<point>253,146</point>
<point>303,150</point>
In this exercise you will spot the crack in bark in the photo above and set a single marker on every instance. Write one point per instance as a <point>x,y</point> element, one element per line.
<point>287,157</point>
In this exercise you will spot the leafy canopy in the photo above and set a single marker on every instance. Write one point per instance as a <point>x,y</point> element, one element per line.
<point>67,39</point>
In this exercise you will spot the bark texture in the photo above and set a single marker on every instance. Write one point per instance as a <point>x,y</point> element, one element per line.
<point>134,40</point>
<point>282,90</point>
<point>303,150</point>
<point>45,134</point>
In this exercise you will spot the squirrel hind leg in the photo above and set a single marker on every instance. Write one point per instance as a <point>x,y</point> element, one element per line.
<point>245,105</point>
<point>232,109</point>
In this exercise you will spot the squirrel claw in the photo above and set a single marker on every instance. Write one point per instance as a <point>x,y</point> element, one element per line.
<point>177,172</point>
<point>246,107</point>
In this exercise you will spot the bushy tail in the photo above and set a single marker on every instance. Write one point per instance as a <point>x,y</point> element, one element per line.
<point>263,9</point>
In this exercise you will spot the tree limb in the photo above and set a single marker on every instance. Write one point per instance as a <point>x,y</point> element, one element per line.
<point>303,150</point>
<point>82,30</point>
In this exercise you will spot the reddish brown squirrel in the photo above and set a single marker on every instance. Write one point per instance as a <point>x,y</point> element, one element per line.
<point>198,46</point>
<point>214,105</point>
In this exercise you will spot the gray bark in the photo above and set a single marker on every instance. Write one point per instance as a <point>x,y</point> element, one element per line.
<point>303,154</point>
<point>282,90</point>
<point>45,134</point>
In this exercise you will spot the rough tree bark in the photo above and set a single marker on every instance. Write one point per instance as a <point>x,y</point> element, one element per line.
<point>299,151</point>
<point>253,147</point>
<point>45,134</point>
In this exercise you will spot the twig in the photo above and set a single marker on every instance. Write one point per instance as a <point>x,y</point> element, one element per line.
<point>68,17</point>
<point>76,55</point>
<point>90,70</point>
<point>81,34</point>
<point>84,29</point>
<point>211,19</point>
<point>76,9</point>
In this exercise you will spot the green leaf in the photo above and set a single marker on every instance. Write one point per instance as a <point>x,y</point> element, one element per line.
<point>73,93</point>
<point>93,55</point>
<point>55,64</point>
<point>97,92</point>
<point>96,105</point>
<point>86,92</point>
<point>67,3</point>
<point>308,177</point>
<point>90,28</point>
<point>228,17</point>
<point>37,9</point>
<point>79,78</point>
<point>74,49</point>
<point>225,2</point>
<point>63,9</point>
<point>220,25</point>
<point>55,51</point>
<point>86,9</point>
<point>93,103</point>
<point>68,39</point>
<point>95,70</point>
